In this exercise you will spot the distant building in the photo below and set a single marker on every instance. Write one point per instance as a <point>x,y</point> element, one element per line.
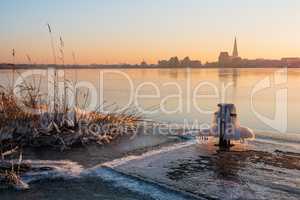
<point>225,60</point>
<point>235,53</point>
<point>291,62</point>
<point>163,63</point>
<point>175,62</point>
<point>187,62</point>
<point>144,64</point>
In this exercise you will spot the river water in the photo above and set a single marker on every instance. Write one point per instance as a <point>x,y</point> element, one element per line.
<point>266,100</point>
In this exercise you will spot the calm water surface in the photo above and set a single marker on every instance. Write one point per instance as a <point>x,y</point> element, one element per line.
<point>170,93</point>
<point>186,95</point>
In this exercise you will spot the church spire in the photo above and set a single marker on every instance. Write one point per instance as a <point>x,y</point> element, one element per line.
<point>235,49</point>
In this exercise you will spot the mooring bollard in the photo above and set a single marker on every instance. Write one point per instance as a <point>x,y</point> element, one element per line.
<point>226,127</point>
<point>226,124</point>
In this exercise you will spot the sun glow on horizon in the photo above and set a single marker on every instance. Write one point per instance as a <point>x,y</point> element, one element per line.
<point>105,32</point>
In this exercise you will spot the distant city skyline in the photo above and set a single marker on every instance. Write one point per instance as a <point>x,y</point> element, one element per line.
<point>111,32</point>
<point>224,60</point>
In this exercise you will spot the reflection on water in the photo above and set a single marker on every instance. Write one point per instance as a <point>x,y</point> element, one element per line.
<point>219,165</point>
<point>227,164</point>
<point>189,102</point>
<point>229,76</point>
<point>243,173</point>
<point>197,169</point>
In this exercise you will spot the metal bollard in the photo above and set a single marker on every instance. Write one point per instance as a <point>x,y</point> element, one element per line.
<point>226,122</point>
<point>226,127</point>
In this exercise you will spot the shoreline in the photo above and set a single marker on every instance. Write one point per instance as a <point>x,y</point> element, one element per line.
<point>91,155</point>
<point>172,166</point>
<point>30,67</point>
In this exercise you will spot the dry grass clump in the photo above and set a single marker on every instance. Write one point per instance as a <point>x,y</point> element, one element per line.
<point>10,171</point>
<point>11,179</point>
<point>60,129</point>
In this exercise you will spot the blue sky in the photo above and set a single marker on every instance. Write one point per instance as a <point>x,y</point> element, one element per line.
<point>115,31</point>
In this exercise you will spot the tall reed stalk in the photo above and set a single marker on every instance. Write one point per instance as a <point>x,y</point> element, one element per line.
<point>52,44</point>
<point>76,79</point>
<point>14,69</point>
<point>62,54</point>
<point>55,78</point>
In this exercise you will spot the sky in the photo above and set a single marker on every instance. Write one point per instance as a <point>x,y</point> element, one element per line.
<point>128,31</point>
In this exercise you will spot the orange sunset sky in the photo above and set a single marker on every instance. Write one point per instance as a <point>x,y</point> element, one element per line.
<point>128,31</point>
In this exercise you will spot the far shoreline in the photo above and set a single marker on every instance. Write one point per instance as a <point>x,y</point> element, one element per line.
<point>96,66</point>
